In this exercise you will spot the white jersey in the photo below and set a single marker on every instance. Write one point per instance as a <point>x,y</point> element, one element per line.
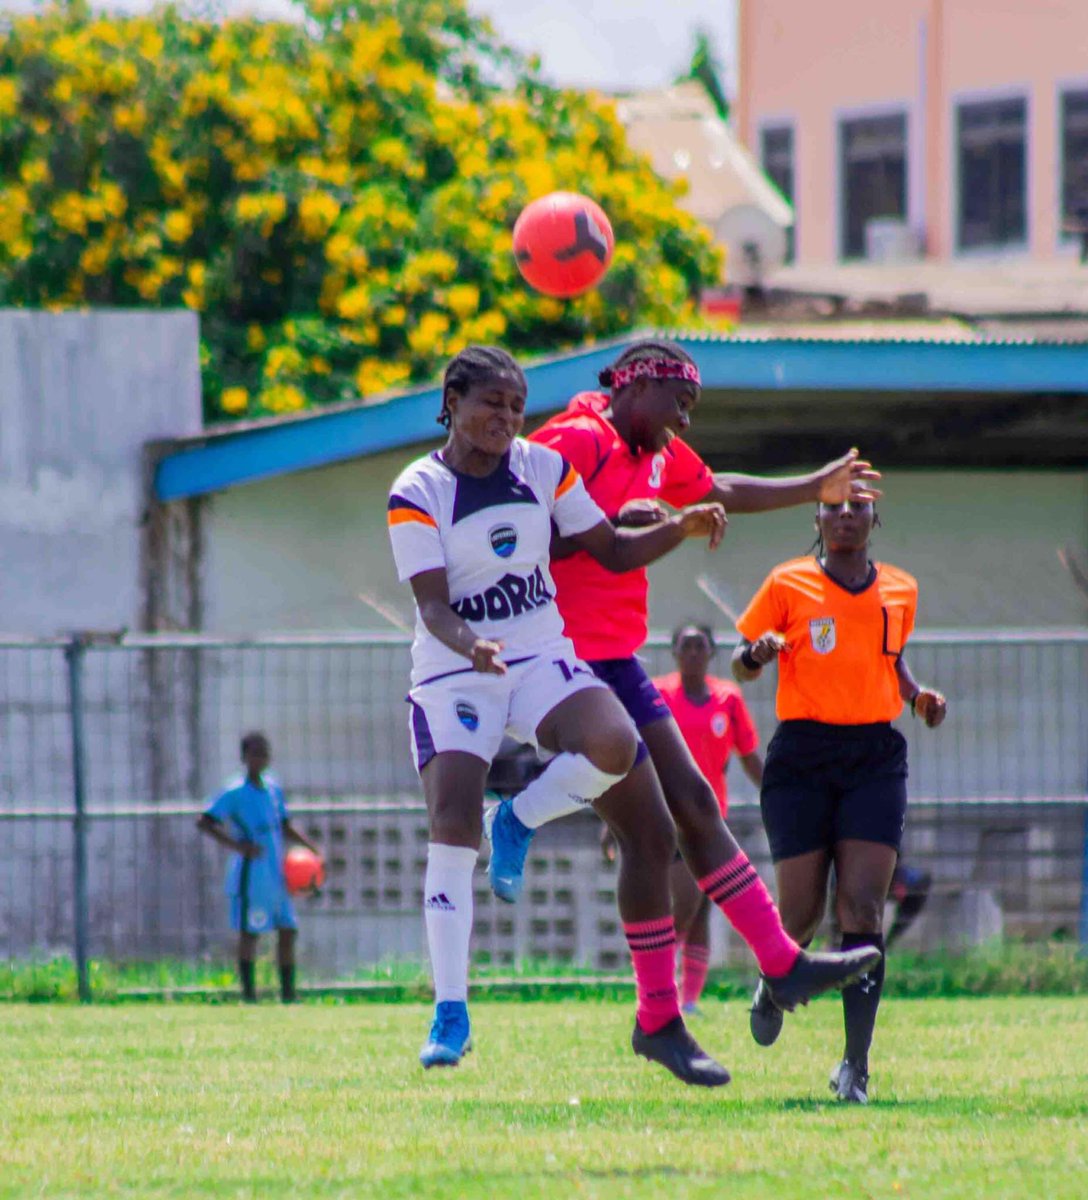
<point>492,536</point>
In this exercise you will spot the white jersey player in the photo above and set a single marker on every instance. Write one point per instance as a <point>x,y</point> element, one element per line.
<point>470,527</point>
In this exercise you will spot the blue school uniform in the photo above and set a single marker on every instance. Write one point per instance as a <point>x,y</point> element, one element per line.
<point>256,886</point>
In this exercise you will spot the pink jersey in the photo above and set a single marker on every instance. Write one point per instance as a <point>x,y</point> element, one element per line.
<point>605,614</point>
<point>712,730</point>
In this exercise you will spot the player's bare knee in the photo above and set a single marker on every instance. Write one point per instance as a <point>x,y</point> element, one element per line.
<point>861,913</point>
<point>455,823</point>
<point>611,748</point>
<point>694,804</point>
<point>801,922</point>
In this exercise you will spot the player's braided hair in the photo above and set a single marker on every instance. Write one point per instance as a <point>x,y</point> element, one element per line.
<point>472,365</point>
<point>705,630</point>
<point>640,351</point>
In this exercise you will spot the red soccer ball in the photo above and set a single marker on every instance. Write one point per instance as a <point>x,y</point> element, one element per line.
<point>303,870</point>
<point>563,243</point>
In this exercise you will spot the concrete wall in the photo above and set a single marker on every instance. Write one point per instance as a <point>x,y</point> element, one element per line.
<point>80,394</point>
<point>809,65</point>
<point>292,553</point>
<point>1018,866</point>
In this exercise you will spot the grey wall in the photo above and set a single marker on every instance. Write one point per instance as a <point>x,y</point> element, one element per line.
<point>292,553</point>
<point>982,544</point>
<point>80,394</point>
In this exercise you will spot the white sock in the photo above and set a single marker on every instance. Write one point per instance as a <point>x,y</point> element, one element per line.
<point>447,911</point>
<point>569,783</point>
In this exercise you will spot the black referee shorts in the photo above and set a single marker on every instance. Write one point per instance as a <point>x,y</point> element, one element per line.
<point>823,784</point>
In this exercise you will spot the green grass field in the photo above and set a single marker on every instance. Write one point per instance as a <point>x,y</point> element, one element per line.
<point>971,1098</point>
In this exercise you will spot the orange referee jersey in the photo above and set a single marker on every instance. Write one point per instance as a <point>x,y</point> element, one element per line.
<point>840,668</point>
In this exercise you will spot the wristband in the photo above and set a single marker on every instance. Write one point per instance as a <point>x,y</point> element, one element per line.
<point>749,661</point>
<point>913,701</point>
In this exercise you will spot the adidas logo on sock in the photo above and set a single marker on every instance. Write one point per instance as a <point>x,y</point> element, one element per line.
<point>440,901</point>
<point>578,799</point>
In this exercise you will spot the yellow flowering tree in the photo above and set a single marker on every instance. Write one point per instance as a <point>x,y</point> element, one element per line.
<point>334,196</point>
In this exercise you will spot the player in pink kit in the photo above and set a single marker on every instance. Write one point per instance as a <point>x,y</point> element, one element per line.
<point>626,447</point>
<point>715,723</point>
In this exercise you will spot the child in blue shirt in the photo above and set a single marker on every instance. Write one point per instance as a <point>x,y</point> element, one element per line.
<point>250,817</point>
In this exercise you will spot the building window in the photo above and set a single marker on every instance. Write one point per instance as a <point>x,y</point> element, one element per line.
<point>993,175</point>
<point>874,175</point>
<point>776,153</point>
<point>1075,158</point>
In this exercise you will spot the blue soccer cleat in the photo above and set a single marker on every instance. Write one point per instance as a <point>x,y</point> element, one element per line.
<point>509,840</point>
<point>449,1039</point>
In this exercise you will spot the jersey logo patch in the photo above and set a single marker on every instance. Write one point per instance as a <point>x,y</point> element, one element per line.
<point>822,632</point>
<point>467,715</point>
<point>257,918</point>
<point>657,468</point>
<point>719,723</point>
<point>504,540</point>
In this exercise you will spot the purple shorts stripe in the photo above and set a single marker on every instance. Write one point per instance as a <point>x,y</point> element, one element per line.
<point>421,736</point>
<point>635,689</point>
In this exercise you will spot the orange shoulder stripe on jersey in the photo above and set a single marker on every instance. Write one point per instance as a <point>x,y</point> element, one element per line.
<point>403,515</point>
<point>402,511</point>
<point>570,478</point>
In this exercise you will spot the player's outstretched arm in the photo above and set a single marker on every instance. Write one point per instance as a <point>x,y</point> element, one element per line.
<point>432,592</point>
<point>626,549</point>
<point>925,702</point>
<point>846,478</point>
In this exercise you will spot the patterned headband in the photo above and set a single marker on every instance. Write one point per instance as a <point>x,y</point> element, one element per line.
<point>654,368</point>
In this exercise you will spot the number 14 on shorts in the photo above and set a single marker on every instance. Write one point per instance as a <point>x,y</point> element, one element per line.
<point>569,670</point>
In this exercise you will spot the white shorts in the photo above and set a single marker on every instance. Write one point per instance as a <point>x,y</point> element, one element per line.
<point>471,711</point>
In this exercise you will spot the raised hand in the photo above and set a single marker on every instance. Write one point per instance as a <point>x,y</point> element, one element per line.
<point>704,520</point>
<point>848,478</point>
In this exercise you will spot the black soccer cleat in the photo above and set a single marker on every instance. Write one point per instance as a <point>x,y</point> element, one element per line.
<point>813,974</point>
<point>850,1083</point>
<point>677,1051</point>
<point>765,1018</point>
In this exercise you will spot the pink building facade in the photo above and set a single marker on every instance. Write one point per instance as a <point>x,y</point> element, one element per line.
<point>959,127</point>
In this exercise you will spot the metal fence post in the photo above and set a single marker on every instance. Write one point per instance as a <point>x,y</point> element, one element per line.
<point>1084,890</point>
<point>74,654</point>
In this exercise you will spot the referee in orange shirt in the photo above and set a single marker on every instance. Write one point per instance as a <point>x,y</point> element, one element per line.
<point>835,778</point>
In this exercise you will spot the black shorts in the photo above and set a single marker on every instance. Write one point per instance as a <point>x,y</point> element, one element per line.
<point>826,783</point>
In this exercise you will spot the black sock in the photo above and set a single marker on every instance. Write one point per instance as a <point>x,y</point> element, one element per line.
<point>247,974</point>
<point>287,983</point>
<point>861,1000</point>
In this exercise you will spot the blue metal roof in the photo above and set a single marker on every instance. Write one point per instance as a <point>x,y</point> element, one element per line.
<point>225,458</point>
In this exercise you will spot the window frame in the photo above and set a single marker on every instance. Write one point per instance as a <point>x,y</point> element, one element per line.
<point>976,99</point>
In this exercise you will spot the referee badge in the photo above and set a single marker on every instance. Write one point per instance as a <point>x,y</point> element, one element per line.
<point>822,632</point>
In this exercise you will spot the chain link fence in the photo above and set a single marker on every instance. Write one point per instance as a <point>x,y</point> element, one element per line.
<point>110,748</point>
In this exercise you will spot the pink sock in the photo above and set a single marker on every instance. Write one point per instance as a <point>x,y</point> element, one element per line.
<point>694,961</point>
<point>738,891</point>
<point>653,956</point>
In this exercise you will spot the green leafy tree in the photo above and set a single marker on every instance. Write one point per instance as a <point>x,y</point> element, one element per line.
<point>334,196</point>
